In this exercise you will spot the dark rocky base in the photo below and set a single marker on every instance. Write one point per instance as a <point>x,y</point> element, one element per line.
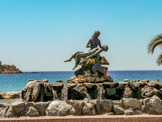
<point>39,91</point>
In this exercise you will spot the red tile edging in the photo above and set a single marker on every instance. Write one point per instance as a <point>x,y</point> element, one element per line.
<point>97,118</point>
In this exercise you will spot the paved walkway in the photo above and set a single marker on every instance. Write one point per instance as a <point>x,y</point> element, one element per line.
<point>97,118</point>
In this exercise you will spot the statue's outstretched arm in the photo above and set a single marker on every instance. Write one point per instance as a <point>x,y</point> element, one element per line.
<point>95,54</point>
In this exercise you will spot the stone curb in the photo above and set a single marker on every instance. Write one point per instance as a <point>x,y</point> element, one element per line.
<point>98,118</point>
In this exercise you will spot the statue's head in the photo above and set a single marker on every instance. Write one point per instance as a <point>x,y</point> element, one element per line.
<point>96,34</point>
<point>105,48</point>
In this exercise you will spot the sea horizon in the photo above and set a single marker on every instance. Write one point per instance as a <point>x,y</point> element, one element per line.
<point>74,71</point>
<point>16,82</point>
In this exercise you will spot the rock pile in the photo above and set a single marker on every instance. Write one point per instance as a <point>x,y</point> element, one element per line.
<point>92,72</point>
<point>39,91</point>
<point>127,106</point>
<point>8,69</point>
<point>40,98</point>
<point>142,89</point>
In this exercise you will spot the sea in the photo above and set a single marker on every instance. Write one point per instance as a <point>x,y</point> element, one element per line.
<point>16,82</point>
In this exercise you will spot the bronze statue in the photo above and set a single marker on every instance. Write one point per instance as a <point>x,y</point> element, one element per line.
<point>86,55</point>
<point>94,41</point>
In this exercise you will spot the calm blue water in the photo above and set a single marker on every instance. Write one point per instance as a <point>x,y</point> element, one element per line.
<point>16,82</point>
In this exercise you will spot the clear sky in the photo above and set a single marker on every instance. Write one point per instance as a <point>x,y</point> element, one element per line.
<point>40,34</point>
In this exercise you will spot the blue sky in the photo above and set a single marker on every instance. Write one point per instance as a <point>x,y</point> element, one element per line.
<point>40,34</point>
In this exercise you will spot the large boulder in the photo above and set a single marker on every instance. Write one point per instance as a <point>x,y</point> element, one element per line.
<point>32,111</point>
<point>42,91</point>
<point>3,109</point>
<point>58,108</point>
<point>83,107</point>
<point>132,90</point>
<point>78,107</point>
<point>9,112</point>
<point>131,103</point>
<point>31,91</point>
<point>41,107</point>
<point>118,109</point>
<point>18,107</point>
<point>152,105</point>
<point>150,91</point>
<point>104,106</point>
<point>89,109</point>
